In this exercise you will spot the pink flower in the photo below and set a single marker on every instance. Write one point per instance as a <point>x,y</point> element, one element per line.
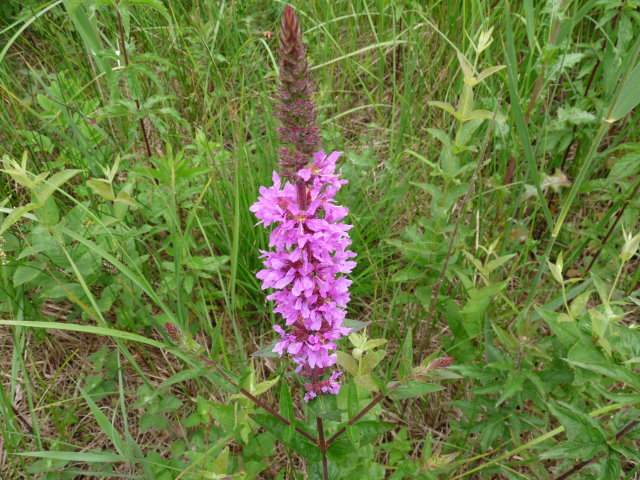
<point>305,269</point>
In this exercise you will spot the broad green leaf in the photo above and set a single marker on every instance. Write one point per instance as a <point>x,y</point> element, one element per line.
<point>355,325</point>
<point>221,462</point>
<point>611,468</point>
<point>264,386</point>
<point>299,443</point>
<point>347,362</point>
<point>44,191</point>
<point>353,404</point>
<point>15,215</point>
<point>487,72</point>
<point>340,448</point>
<point>405,365</point>
<point>225,415</point>
<point>498,262</point>
<point>447,107</point>
<point>414,389</point>
<point>266,351</point>
<point>26,273</point>
<point>370,361</point>
<point>621,374</point>
<point>373,343</point>
<point>478,115</point>
<point>325,406</point>
<point>369,430</point>
<point>629,96</point>
<point>513,385</point>
<point>101,187</point>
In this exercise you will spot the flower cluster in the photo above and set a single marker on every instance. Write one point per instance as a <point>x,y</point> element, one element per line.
<point>306,266</point>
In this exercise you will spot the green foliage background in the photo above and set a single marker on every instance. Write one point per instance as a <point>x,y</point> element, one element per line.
<point>494,220</point>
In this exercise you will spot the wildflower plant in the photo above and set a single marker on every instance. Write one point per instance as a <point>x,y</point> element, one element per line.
<point>309,258</point>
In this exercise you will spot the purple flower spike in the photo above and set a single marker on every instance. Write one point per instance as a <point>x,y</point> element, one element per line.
<point>299,135</point>
<point>306,269</point>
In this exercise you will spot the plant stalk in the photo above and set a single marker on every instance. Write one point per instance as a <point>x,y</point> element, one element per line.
<point>254,399</point>
<point>579,466</point>
<point>322,444</point>
<point>126,62</point>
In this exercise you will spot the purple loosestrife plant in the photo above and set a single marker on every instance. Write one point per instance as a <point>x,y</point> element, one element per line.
<point>310,242</point>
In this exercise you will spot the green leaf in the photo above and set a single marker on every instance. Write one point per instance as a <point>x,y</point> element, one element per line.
<point>611,468</point>
<point>611,370</point>
<point>574,449</point>
<point>89,457</point>
<point>25,273</point>
<point>405,365</point>
<point>369,430</point>
<point>286,410</point>
<point>325,406</point>
<point>629,97</point>
<point>16,214</point>
<point>478,115</point>
<point>513,385</point>
<point>266,351</point>
<point>414,389</point>
<point>353,403</point>
<point>225,415</point>
<point>85,328</point>
<point>498,262</point>
<point>373,343</point>
<point>447,107</point>
<point>264,386</point>
<point>340,448</point>
<point>53,183</point>
<point>348,363</point>
<point>370,361</point>
<point>353,434</point>
<point>299,443</point>
<point>355,325</point>
<point>101,187</point>
<point>170,403</point>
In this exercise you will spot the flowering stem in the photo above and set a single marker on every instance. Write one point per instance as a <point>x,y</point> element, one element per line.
<point>322,444</point>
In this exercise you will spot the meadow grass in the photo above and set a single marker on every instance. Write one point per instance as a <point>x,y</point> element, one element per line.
<point>133,240</point>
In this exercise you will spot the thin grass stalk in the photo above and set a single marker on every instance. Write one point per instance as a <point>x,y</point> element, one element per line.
<point>438,286</point>
<point>123,46</point>
<point>574,144</point>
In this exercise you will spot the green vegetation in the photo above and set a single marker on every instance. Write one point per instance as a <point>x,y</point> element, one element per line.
<point>493,157</point>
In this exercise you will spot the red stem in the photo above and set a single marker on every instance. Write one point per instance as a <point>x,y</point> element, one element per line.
<point>254,399</point>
